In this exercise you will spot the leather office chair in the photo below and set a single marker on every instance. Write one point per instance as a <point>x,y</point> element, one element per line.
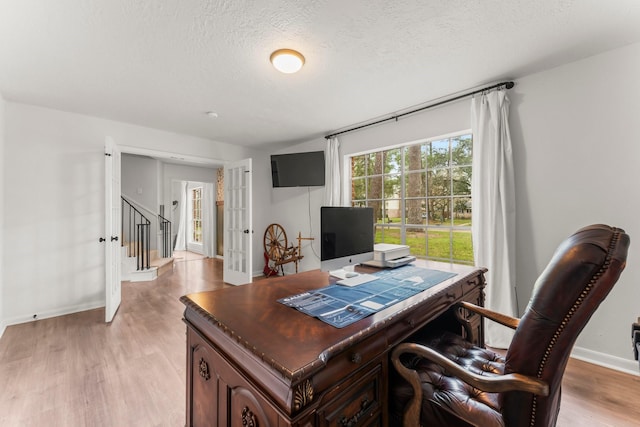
<point>446,381</point>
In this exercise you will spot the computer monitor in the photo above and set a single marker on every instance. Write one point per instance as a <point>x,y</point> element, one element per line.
<point>346,238</point>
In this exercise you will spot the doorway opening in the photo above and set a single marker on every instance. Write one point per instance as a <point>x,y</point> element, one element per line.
<point>150,185</point>
<point>195,215</point>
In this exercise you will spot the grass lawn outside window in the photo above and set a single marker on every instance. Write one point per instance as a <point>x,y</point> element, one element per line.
<point>421,196</point>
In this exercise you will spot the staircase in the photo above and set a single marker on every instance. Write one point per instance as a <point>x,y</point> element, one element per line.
<point>157,266</point>
<point>139,262</point>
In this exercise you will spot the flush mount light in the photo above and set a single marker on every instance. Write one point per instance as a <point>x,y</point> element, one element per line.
<point>287,61</point>
<point>212,114</point>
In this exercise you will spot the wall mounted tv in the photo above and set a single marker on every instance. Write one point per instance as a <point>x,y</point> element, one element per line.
<point>298,169</point>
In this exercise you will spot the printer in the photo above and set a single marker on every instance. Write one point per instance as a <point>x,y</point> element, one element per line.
<point>390,256</point>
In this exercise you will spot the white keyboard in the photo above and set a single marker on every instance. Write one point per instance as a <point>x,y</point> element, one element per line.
<point>357,280</point>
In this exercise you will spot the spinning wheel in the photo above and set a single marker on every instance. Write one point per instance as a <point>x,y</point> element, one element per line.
<point>277,251</point>
<point>275,242</point>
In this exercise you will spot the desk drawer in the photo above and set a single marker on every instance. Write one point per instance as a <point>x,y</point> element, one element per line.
<point>344,364</point>
<point>359,405</point>
<point>473,290</point>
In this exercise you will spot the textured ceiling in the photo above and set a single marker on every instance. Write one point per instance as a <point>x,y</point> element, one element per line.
<point>164,63</point>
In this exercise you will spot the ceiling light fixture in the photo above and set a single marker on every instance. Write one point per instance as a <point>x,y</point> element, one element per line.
<point>212,114</point>
<point>287,61</point>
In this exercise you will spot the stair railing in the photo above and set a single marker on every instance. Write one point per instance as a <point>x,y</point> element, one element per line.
<point>165,229</point>
<point>138,228</point>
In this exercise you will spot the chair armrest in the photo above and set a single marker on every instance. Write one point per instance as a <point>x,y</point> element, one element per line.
<point>496,384</point>
<point>493,384</point>
<point>503,319</point>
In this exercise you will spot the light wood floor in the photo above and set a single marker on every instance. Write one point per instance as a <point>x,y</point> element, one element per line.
<point>76,370</point>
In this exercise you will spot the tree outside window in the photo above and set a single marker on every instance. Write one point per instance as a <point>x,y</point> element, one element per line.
<point>421,196</point>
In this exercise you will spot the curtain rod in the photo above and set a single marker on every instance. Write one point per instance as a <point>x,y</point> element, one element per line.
<point>507,85</point>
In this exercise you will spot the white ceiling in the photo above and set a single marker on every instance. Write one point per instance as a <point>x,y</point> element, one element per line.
<point>164,63</point>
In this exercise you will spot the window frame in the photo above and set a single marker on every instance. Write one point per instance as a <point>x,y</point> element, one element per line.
<point>381,226</point>
<point>193,201</point>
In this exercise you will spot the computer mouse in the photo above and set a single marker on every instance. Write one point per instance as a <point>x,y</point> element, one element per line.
<point>351,274</point>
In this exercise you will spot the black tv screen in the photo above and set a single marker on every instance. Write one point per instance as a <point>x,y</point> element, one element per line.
<point>298,169</point>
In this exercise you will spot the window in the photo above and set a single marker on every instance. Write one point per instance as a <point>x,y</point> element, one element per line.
<point>421,196</point>
<point>196,215</point>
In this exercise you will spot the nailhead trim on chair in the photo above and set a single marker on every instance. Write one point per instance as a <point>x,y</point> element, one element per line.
<point>566,319</point>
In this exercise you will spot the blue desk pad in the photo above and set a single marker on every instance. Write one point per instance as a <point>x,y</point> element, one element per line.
<point>341,306</point>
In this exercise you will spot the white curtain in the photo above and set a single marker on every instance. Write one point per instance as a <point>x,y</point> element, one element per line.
<point>181,238</point>
<point>332,173</point>
<point>208,224</point>
<point>493,208</point>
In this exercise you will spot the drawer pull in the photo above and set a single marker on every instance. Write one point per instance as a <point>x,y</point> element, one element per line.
<point>356,358</point>
<point>204,369</point>
<point>350,422</point>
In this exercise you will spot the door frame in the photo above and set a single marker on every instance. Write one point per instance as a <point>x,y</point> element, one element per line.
<point>167,157</point>
<point>177,158</point>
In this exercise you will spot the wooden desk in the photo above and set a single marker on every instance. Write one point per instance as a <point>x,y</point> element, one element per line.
<point>254,362</point>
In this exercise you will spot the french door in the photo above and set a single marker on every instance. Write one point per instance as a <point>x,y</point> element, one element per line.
<point>238,229</point>
<point>113,218</point>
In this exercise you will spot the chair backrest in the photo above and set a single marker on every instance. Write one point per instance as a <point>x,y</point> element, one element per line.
<point>579,276</point>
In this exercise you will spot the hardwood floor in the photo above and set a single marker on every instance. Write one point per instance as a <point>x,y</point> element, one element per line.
<point>595,396</point>
<point>76,370</point>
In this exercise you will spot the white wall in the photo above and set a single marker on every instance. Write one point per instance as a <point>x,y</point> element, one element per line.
<point>54,202</point>
<point>139,181</point>
<point>2,138</point>
<point>297,210</point>
<point>576,152</point>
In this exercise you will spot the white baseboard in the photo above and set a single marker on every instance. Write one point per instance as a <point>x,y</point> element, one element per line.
<point>606,360</point>
<point>51,313</point>
<point>141,275</point>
